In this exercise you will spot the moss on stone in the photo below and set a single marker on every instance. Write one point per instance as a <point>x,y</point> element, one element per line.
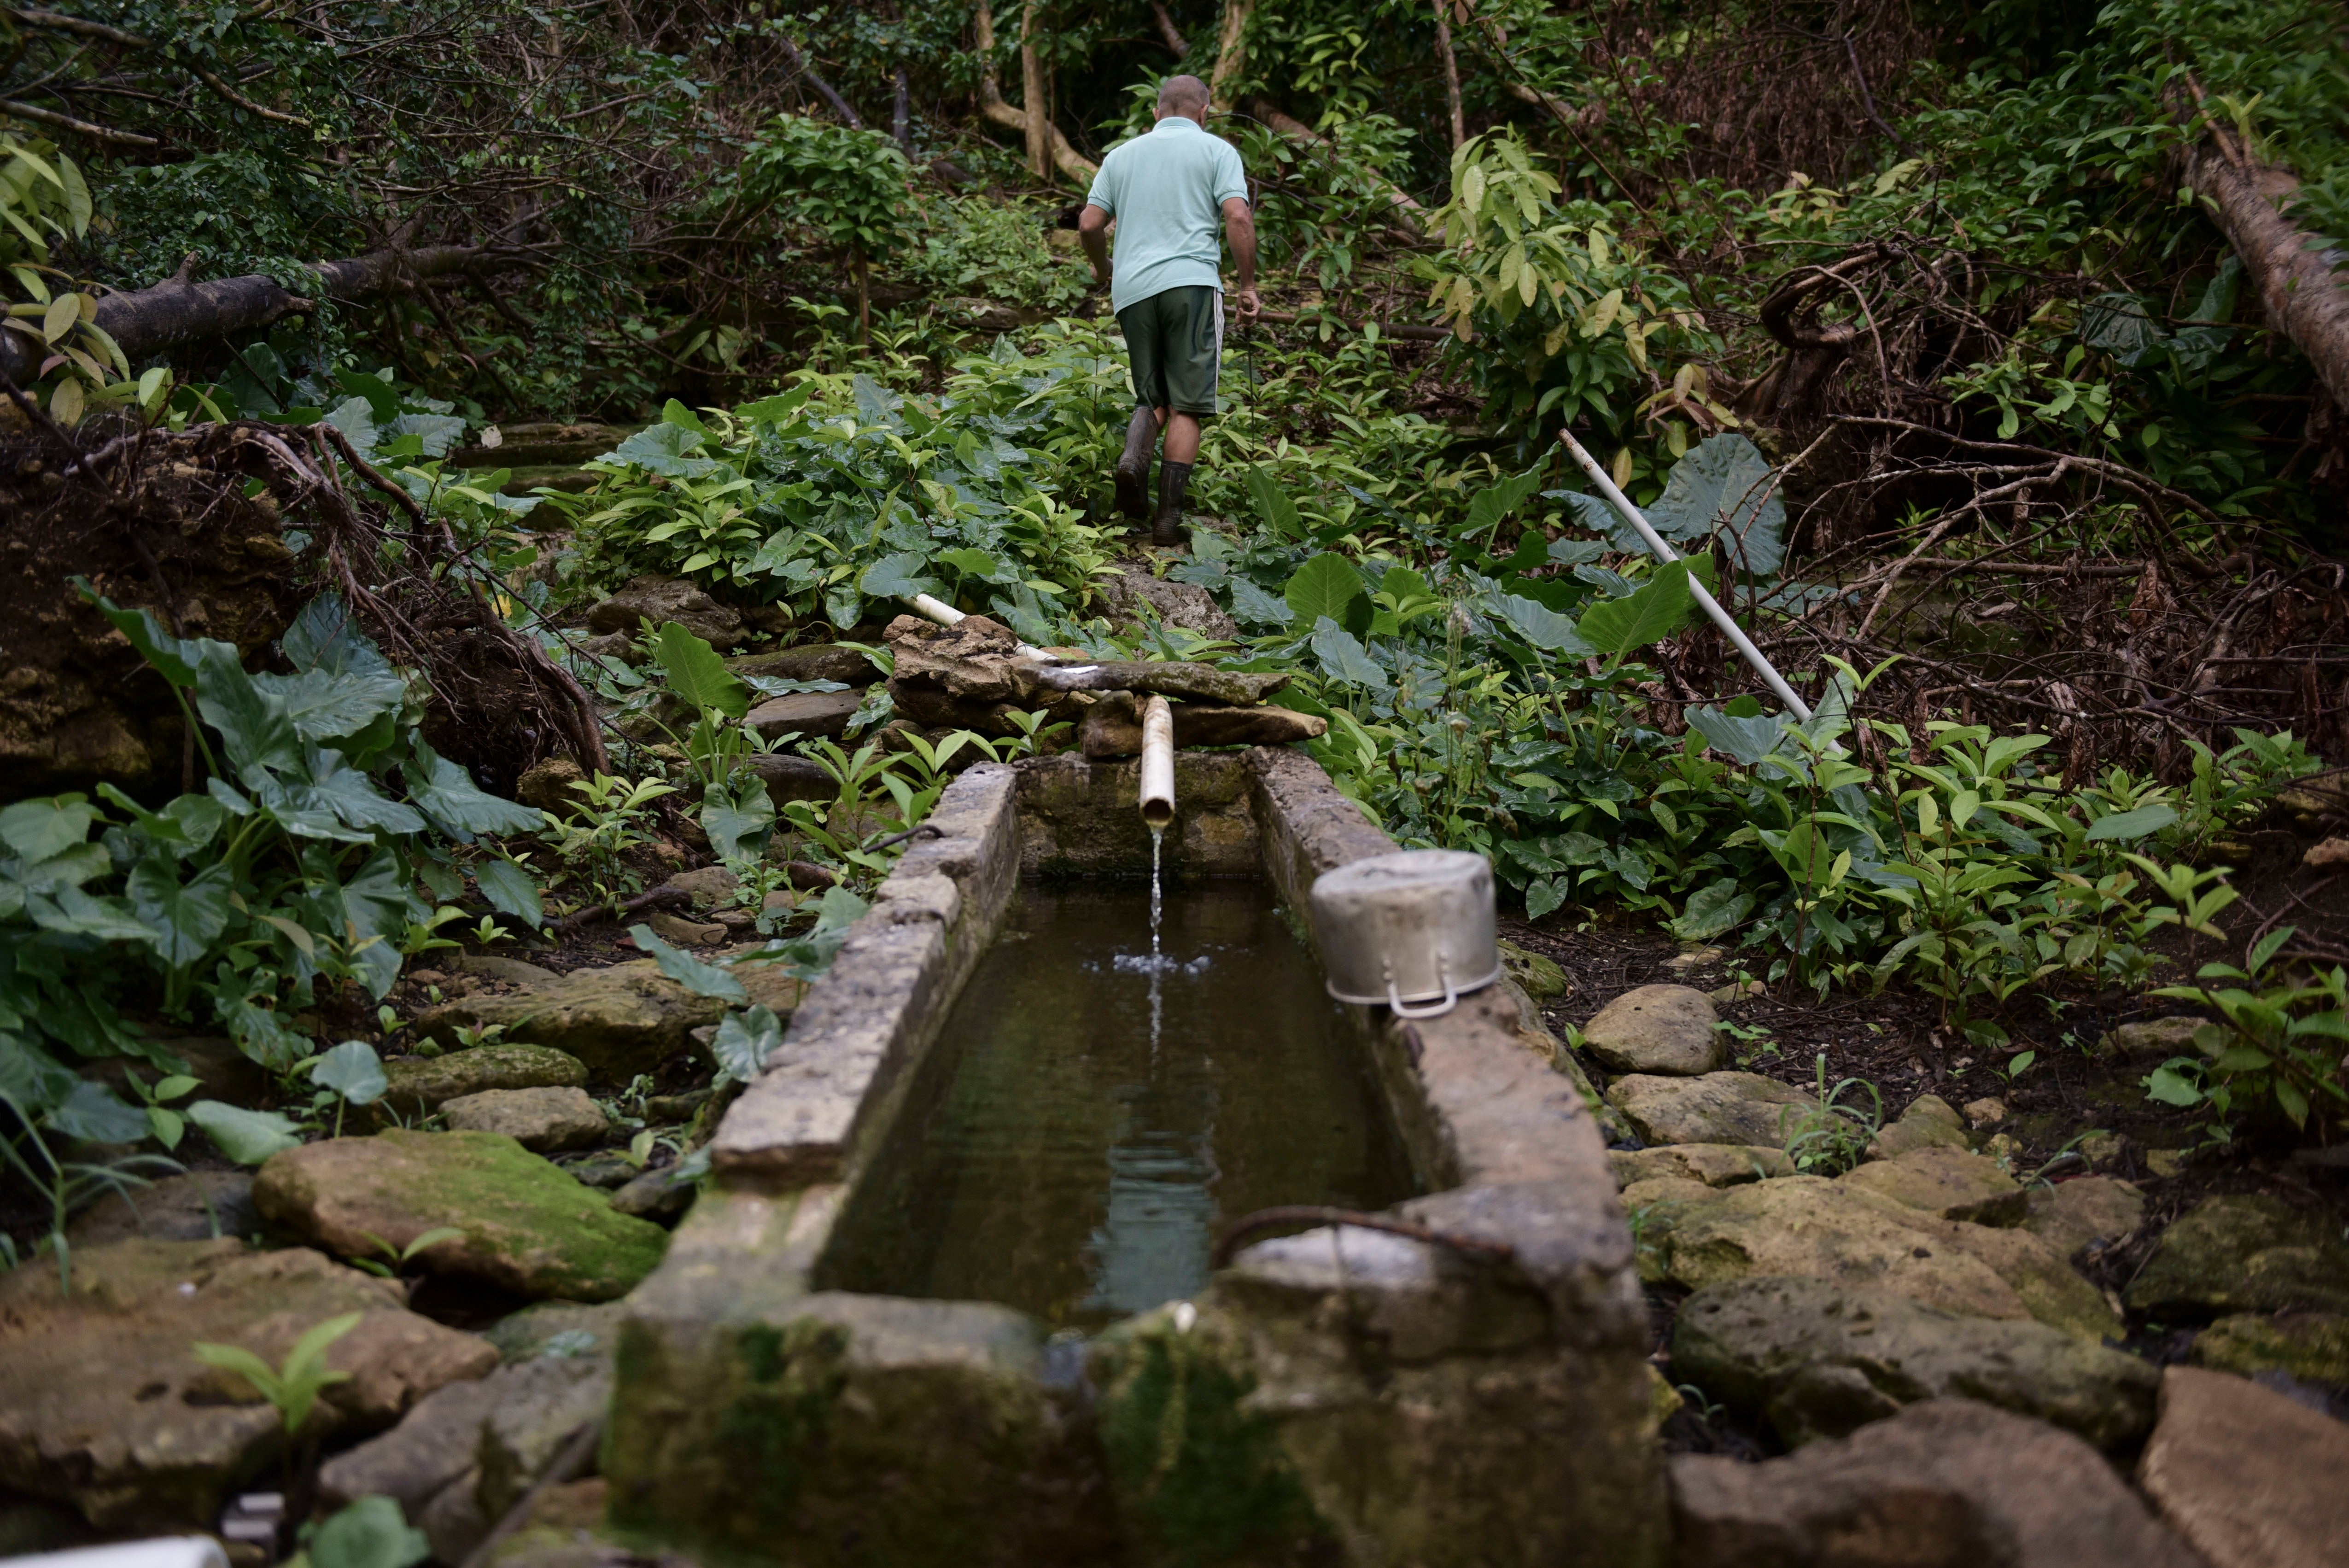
<point>1200,1478</point>
<point>2312,1347</point>
<point>527,1226</point>
<point>856,1431</point>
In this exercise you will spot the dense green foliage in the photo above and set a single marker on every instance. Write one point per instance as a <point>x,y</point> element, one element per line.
<point>660,222</point>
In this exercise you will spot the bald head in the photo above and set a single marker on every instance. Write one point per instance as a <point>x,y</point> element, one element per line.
<point>1185,95</point>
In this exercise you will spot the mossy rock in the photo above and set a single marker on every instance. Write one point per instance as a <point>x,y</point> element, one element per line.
<point>1541,978</point>
<point>2243,1253</point>
<point>422,1084</point>
<point>850,1432</point>
<point>2312,1347</point>
<point>1200,1477</point>
<point>527,1226</point>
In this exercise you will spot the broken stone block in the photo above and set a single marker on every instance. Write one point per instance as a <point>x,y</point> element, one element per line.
<point>811,715</point>
<point>421,1084</point>
<point>1803,1225</point>
<point>1716,1108</point>
<point>1821,1360</point>
<point>1113,726</point>
<point>413,1462</point>
<point>1930,1122</point>
<point>1947,1483</point>
<point>105,1408</point>
<point>2253,1480</point>
<point>1714,1164</point>
<point>2086,1209</point>
<point>539,1407</point>
<point>810,662</point>
<point>662,599</point>
<point>619,1020</point>
<point>543,1121</point>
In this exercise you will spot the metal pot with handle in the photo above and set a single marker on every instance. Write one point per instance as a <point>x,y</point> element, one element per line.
<point>1412,930</point>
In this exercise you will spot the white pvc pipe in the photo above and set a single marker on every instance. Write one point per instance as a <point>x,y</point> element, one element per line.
<point>1157,762</point>
<point>946,615</point>
<point>171,1551</point>
<point>1705,601</point>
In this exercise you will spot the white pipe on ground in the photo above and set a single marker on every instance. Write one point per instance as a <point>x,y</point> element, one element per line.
<point>168,1552</point>
<point>1704,599</point>
<point>944,614</point>
<point>1157,763</point>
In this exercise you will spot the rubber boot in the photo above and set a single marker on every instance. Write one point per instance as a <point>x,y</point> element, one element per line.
<point>1173,479</point>
<point>1134,468</point>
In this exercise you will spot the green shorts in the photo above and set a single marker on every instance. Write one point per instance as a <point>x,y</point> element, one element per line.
<point>1175,343</point>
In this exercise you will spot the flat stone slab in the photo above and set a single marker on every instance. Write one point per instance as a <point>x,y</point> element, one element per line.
<point>2243,1253</point>
<point>105,1408</point>
<point>2103,1210</point>
<point>1950,1182</point>
<point>527,1227</point>
<point>1947,1483</point>
<point>1662,1029</point>
<point>1821,1360</point>
<point>421,1084</point>
<point>1817,1229</point>
<point>815,714</point>
<point>809,662</point>
<point>2253,1478</point>
<point>1716,1108</point>
<point>543,1121</point>
<point>618,1020</point>
<point>1714,1164</point>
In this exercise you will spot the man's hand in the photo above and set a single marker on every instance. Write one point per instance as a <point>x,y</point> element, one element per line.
<point>1092,232</point>
<point>1239,230</point>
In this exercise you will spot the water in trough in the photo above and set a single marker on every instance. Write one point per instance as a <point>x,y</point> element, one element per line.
<point>1106,1096</point>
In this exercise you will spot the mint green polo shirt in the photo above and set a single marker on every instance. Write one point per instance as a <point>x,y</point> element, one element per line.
<point>1166,190</point>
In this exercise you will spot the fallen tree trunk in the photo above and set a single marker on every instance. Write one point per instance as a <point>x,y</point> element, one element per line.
<point>2246,199</point>
<point>148,322</point>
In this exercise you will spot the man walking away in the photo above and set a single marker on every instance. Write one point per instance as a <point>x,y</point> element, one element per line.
<point>1164,189</point>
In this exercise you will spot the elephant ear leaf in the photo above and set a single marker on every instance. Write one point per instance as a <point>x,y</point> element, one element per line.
<point>1325,586</point>
<point>697,676</point>
<point>1725,486</point>
<point>1660,608</point>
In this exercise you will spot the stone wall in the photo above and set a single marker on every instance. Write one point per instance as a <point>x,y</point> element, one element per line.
<point>1474,1392</point>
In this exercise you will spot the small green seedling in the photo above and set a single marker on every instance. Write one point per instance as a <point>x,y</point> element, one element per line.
<point>392,1259</point>
<point>294,1387</point>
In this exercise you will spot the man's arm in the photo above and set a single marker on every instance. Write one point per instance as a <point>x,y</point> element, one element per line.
<point>1239,231</point>
<point>1092,232</point>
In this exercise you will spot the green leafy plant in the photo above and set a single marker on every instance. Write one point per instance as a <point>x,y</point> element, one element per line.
<point>293,1387</point>
<point>1832,1137</point>
<point>847,185</point>
<point>390,1261</point>
<point>295,864</point>
<point>597,837</point>
<point>2277,1037</point>
<point>368,1532</point>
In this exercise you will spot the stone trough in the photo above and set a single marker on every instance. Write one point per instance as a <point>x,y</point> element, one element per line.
<point>1345,1393</point>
